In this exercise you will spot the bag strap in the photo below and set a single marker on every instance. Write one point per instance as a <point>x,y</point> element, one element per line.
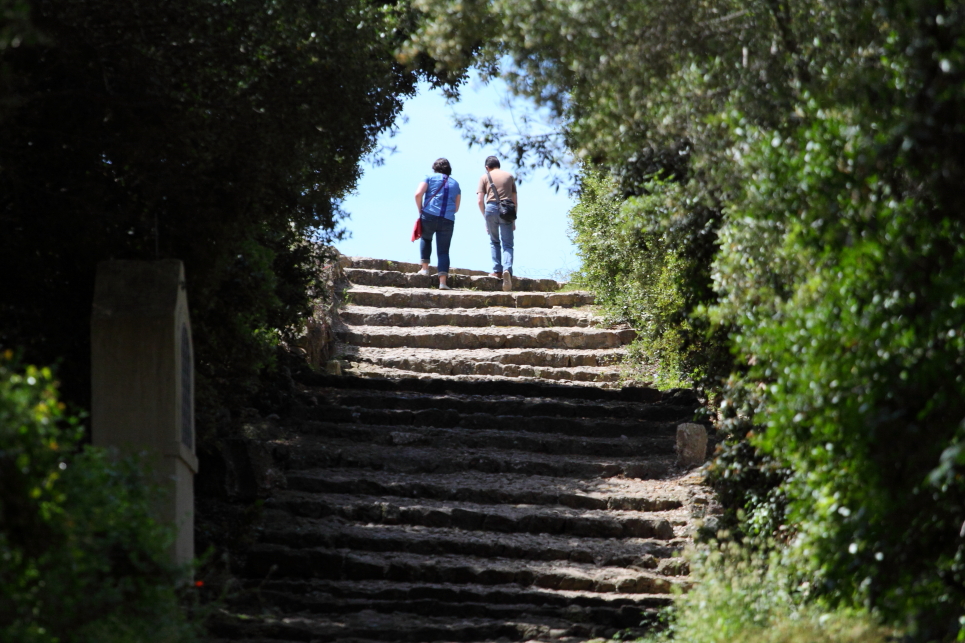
<point>445,181</point>
<point>492,185</point>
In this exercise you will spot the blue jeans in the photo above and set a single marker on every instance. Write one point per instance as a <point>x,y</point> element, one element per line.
<point>442,229</point>
<point>500,234</point>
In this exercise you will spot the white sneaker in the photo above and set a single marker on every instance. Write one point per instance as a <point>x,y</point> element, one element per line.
<point>507,281</point>
<point>424,272</point>
<point>444,287</point>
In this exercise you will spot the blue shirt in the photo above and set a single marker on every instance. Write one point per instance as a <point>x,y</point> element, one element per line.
<point>443,193</point>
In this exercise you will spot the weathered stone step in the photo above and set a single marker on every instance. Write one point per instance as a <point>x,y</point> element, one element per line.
<point>367,263</point>
<point>672,410</point>
<point>369,625</point>
<point>432,298</point>
<point>605,620</point>
<point>501,387</point>
<point>466,317</point>
<point>464,593</point>
<point>470,365</point>
<point>366,370</point>
<point>304,452</point>
<point>546,443</point>
<point>311,598</point>
<point>282,528</point>
<point>614,494</point>
<point>540,357</point>
<point>278,561</point>
<point>451,418</point>
<point>472,516</point>
<point>453,337</point>
<point>395,279</point>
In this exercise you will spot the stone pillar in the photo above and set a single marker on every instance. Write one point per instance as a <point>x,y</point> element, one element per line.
<point>143,380</point>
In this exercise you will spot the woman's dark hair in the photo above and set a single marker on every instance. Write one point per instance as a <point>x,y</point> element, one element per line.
<point>442,166</point>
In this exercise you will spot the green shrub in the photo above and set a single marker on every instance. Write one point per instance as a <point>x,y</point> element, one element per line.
<point>81,557</point>
<point>647,258</point>
<point>852,325</point>
<point>741,594</point>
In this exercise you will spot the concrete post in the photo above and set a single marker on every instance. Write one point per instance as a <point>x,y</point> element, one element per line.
<point>143,380</point>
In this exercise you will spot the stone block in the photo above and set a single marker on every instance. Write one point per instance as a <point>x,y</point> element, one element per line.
<point>691,444</point>
<point>142,380</point>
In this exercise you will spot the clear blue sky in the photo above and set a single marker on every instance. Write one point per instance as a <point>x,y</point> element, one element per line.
<point>383,209</point>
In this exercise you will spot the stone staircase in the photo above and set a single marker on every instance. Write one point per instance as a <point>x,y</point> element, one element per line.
<point>476,473</point>
<point>394,323</point>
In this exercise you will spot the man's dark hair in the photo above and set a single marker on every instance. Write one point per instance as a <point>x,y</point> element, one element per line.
<point>492,162</point>
<point>442,167</point>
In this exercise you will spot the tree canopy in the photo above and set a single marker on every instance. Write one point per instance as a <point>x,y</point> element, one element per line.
<point>219,132</point>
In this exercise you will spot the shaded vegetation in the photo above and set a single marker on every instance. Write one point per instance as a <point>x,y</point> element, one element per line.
<point>83,558</point>
<point>219,133</point>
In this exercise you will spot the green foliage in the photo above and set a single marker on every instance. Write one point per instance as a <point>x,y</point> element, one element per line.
<point>82,557</point>
<point>856,340</point>
<point>750,484</point>
<point>740,594</point>
<point>218,132</point>
<point>633,254</point>
<point>15,27</point>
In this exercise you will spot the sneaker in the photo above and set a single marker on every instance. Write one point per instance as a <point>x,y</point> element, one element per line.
<point>507,281</point>
<point>444,287</point>
<point>424,272</point>
<point>497,275</point>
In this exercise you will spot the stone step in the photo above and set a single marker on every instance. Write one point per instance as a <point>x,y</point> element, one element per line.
<point>396,279</point>
<point>371,625</point>
<point>468,364</point>
<point>438,299</point>
<point>365,370</point>
<point>547,443</point>
<point>367,263</point>
<point>544,358</point>
<point>306,452</point>
<point>472,516</point>
<point>641,432</point>
<point>641,437</point>
<point>502,387</point>
<point>464,601</point>
<point>605,620</point>
<point>610,494</point>
<point>499,387</point>
<point>454,337</point>
<point>277,561</point>
<point>672,410</point>
<point>467,317</point>
<point>659,556</point>
<point>465,593</point>
<point>495,421</point>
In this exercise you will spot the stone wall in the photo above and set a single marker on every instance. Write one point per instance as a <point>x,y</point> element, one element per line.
<point>314,341</point>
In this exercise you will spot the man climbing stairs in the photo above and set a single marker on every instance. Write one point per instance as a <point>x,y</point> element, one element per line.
<point>475,474</point>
